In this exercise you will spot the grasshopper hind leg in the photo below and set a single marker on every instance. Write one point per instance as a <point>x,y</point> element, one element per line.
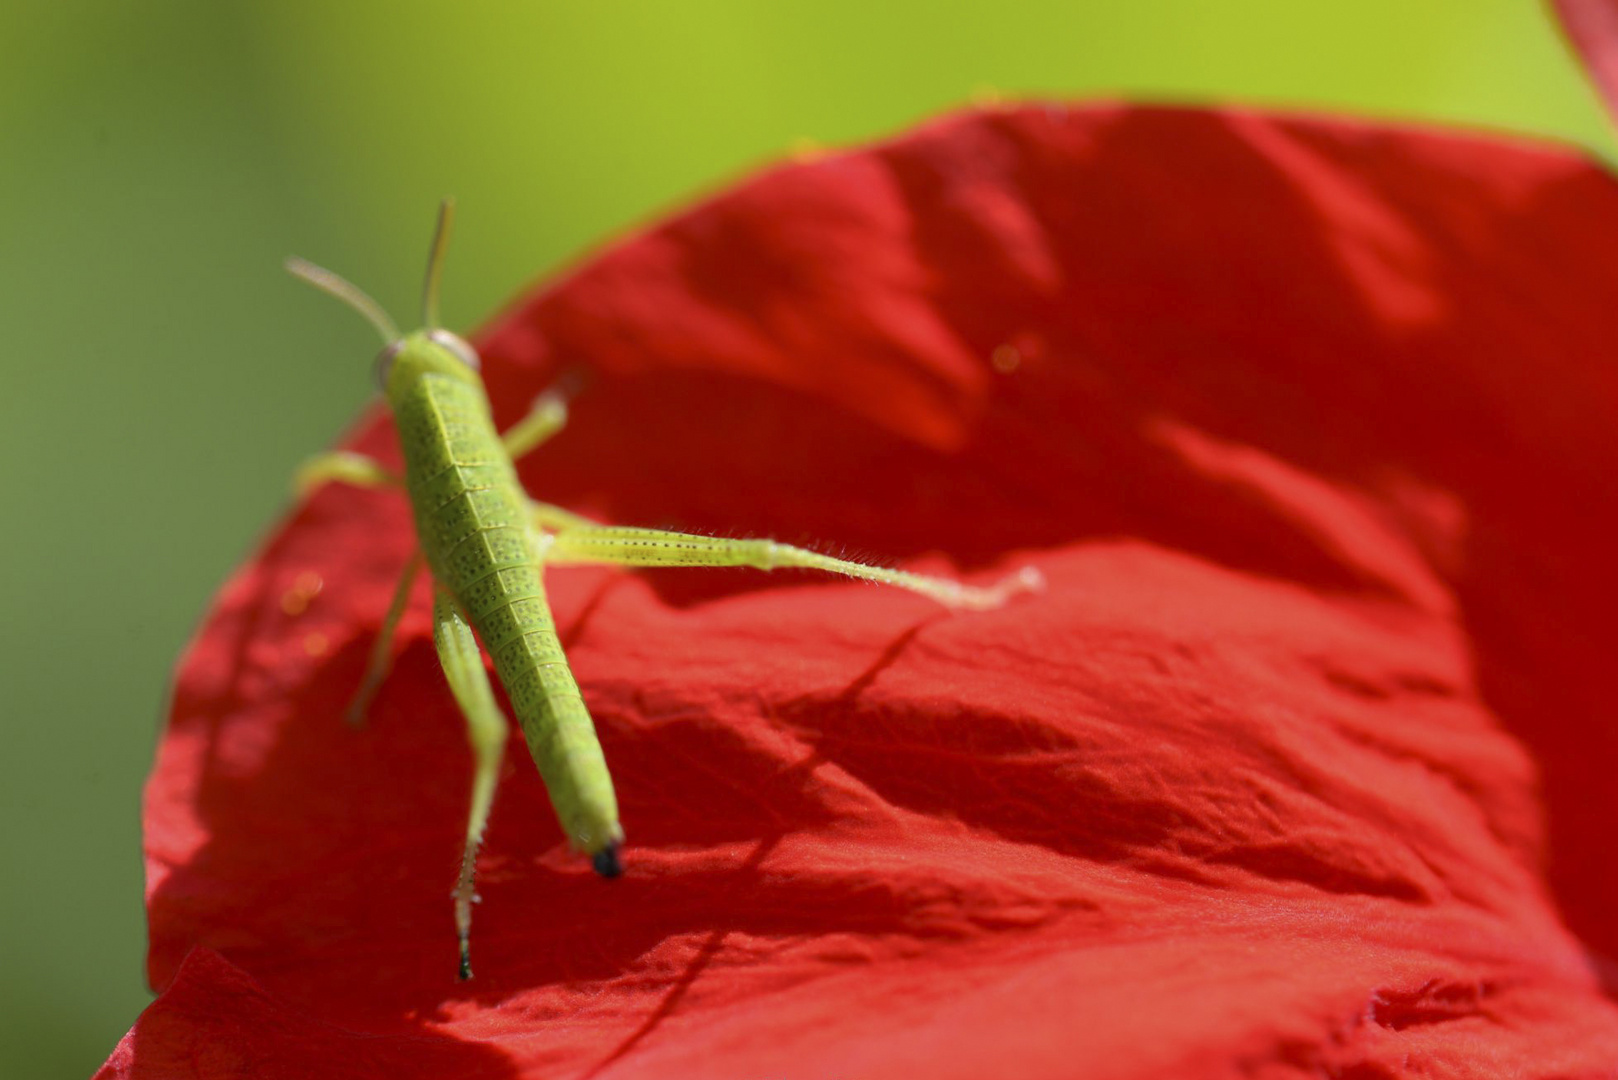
<point>576,540</point>
<point>486,730</point>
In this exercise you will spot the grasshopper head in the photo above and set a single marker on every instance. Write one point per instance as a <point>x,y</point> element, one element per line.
<point>426,352</point>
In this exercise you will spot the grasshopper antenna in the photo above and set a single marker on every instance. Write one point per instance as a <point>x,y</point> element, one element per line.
<point>435,264</point>
<point>346,291</point>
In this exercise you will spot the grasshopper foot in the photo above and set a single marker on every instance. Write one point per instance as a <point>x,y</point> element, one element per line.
<point>607,862</point>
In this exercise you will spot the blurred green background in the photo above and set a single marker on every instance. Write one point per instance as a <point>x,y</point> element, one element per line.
<point>162,376</point>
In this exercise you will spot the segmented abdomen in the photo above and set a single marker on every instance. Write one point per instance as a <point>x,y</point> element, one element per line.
<point>472,520</point>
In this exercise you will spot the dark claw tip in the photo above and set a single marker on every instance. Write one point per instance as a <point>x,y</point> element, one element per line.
<point>466,965</point>
<point>607,863</point>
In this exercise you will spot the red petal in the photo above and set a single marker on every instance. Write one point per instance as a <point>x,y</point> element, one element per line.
<point>1309,425</point>
<point>1592,27</point>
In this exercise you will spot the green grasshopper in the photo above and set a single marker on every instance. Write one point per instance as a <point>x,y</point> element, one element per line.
<point>487,544</point>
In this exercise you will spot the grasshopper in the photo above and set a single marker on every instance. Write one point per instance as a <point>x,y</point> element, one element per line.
<point>487,544</point>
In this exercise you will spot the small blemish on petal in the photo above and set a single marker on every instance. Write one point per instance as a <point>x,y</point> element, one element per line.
<point>305,587</point>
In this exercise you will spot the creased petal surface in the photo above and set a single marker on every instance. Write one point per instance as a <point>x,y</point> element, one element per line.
<point>1299,766</point>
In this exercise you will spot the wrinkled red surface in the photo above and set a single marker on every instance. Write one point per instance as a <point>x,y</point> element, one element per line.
<point>1300,766</point>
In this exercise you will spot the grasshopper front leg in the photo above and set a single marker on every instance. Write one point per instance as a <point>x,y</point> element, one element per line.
<point>343,466</point>
<point>376,668</point>
<point>545,418</point>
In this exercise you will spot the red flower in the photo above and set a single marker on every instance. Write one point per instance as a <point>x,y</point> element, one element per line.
<point>1308,423</point>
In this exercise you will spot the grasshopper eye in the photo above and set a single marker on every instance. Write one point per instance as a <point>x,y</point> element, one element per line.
<point>457,345</point>
<point>384,364</point>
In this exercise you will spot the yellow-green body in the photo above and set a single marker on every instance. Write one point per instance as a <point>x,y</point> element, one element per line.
<point>474,524</point>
